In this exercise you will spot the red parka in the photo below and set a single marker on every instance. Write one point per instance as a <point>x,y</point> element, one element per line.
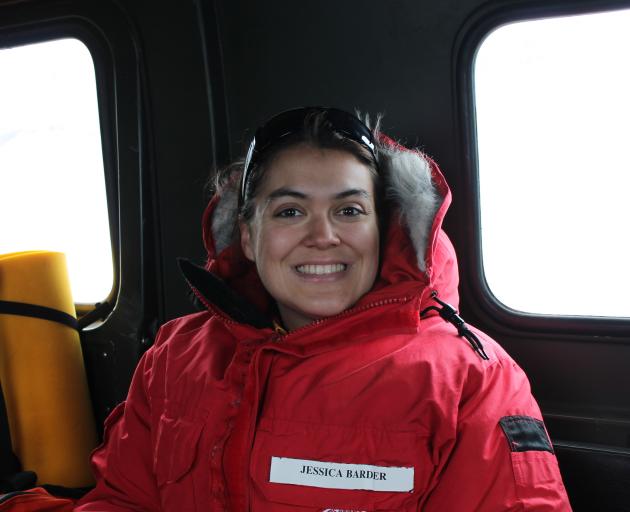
<point>379,408</point>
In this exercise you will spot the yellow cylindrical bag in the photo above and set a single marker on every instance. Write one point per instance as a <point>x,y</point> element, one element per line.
<point>42,372</point>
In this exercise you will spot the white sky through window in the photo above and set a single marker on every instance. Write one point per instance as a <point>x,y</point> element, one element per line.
<point>52,188</point>
<point>553,126</point>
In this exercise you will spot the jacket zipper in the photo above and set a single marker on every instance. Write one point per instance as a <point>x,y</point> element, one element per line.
<point>343,314</point>
<point>281,334</point>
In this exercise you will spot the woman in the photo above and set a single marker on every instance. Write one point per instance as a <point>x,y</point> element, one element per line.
<point>322,374</point>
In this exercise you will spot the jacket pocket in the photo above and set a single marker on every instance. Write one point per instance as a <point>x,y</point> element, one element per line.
<point>319,467</point>
<point>176,448</point>
<point>537,478</point>
<point>174,462</point>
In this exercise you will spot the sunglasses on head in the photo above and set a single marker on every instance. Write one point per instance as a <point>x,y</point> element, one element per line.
<point>292,121</point>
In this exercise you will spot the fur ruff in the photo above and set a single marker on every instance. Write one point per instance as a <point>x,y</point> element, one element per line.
<point>225,219</point>
<point>408,183</point>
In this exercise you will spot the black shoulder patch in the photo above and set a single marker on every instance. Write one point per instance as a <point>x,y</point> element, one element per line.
<point>525,434</point>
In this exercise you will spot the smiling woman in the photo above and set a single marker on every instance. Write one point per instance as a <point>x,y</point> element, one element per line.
<point>321,374</point>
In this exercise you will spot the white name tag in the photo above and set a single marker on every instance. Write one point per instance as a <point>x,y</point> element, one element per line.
<point>336,475</point>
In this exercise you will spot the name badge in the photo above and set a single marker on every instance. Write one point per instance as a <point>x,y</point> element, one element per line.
<point>337,475</point>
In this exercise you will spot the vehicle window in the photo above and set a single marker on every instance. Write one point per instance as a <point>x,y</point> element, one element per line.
<point>52,186</point>
<point>553,123</point>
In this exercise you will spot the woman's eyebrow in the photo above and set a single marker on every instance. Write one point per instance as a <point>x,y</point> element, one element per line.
<point>353,192</point>
<point>285,191</point>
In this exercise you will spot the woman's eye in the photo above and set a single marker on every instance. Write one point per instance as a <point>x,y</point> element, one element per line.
<point>288,212</point>
<point>350,211</point>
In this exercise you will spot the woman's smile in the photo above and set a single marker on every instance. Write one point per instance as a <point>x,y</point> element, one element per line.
<point>334,269</point>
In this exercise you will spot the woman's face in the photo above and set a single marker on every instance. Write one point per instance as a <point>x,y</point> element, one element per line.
<point>314,235</point>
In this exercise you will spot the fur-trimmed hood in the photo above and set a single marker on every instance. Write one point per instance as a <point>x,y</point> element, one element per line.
<point>417,255</point>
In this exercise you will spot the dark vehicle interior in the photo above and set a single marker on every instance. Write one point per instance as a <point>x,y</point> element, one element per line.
<point>182,85</point>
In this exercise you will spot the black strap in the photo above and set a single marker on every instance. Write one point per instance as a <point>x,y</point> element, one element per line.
<point>32,310</point>
<point>59,491</point>
<point>17,482</point>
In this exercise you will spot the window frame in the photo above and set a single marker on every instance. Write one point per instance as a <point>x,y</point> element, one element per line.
<point>474,287</point>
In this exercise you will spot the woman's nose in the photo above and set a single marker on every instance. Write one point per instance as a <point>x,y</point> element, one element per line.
<point>321,233</point>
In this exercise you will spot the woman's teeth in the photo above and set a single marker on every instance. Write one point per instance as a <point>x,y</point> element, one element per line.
<point>321,269</point>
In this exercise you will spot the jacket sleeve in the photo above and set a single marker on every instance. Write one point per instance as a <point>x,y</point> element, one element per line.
<point>501,458</point>
<point>123,464</point>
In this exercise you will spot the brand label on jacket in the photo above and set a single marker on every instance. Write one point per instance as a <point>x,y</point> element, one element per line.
<point>337,475</point>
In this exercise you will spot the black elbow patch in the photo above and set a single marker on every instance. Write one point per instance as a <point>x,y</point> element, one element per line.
<point>525,434</point>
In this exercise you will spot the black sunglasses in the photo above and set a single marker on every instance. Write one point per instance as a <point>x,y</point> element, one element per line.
<point>292,121</point>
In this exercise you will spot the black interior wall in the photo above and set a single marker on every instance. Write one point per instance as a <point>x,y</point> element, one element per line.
<point>389,57</point>
<point>179,136</point>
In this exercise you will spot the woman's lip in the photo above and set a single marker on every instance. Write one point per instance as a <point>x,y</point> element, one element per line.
<point>320,269</point>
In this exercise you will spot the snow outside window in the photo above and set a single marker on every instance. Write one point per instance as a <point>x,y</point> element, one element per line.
<point>52,187</point>
<point>553,128</point>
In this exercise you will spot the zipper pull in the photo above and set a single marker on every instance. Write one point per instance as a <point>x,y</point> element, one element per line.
<point>279,330</point>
